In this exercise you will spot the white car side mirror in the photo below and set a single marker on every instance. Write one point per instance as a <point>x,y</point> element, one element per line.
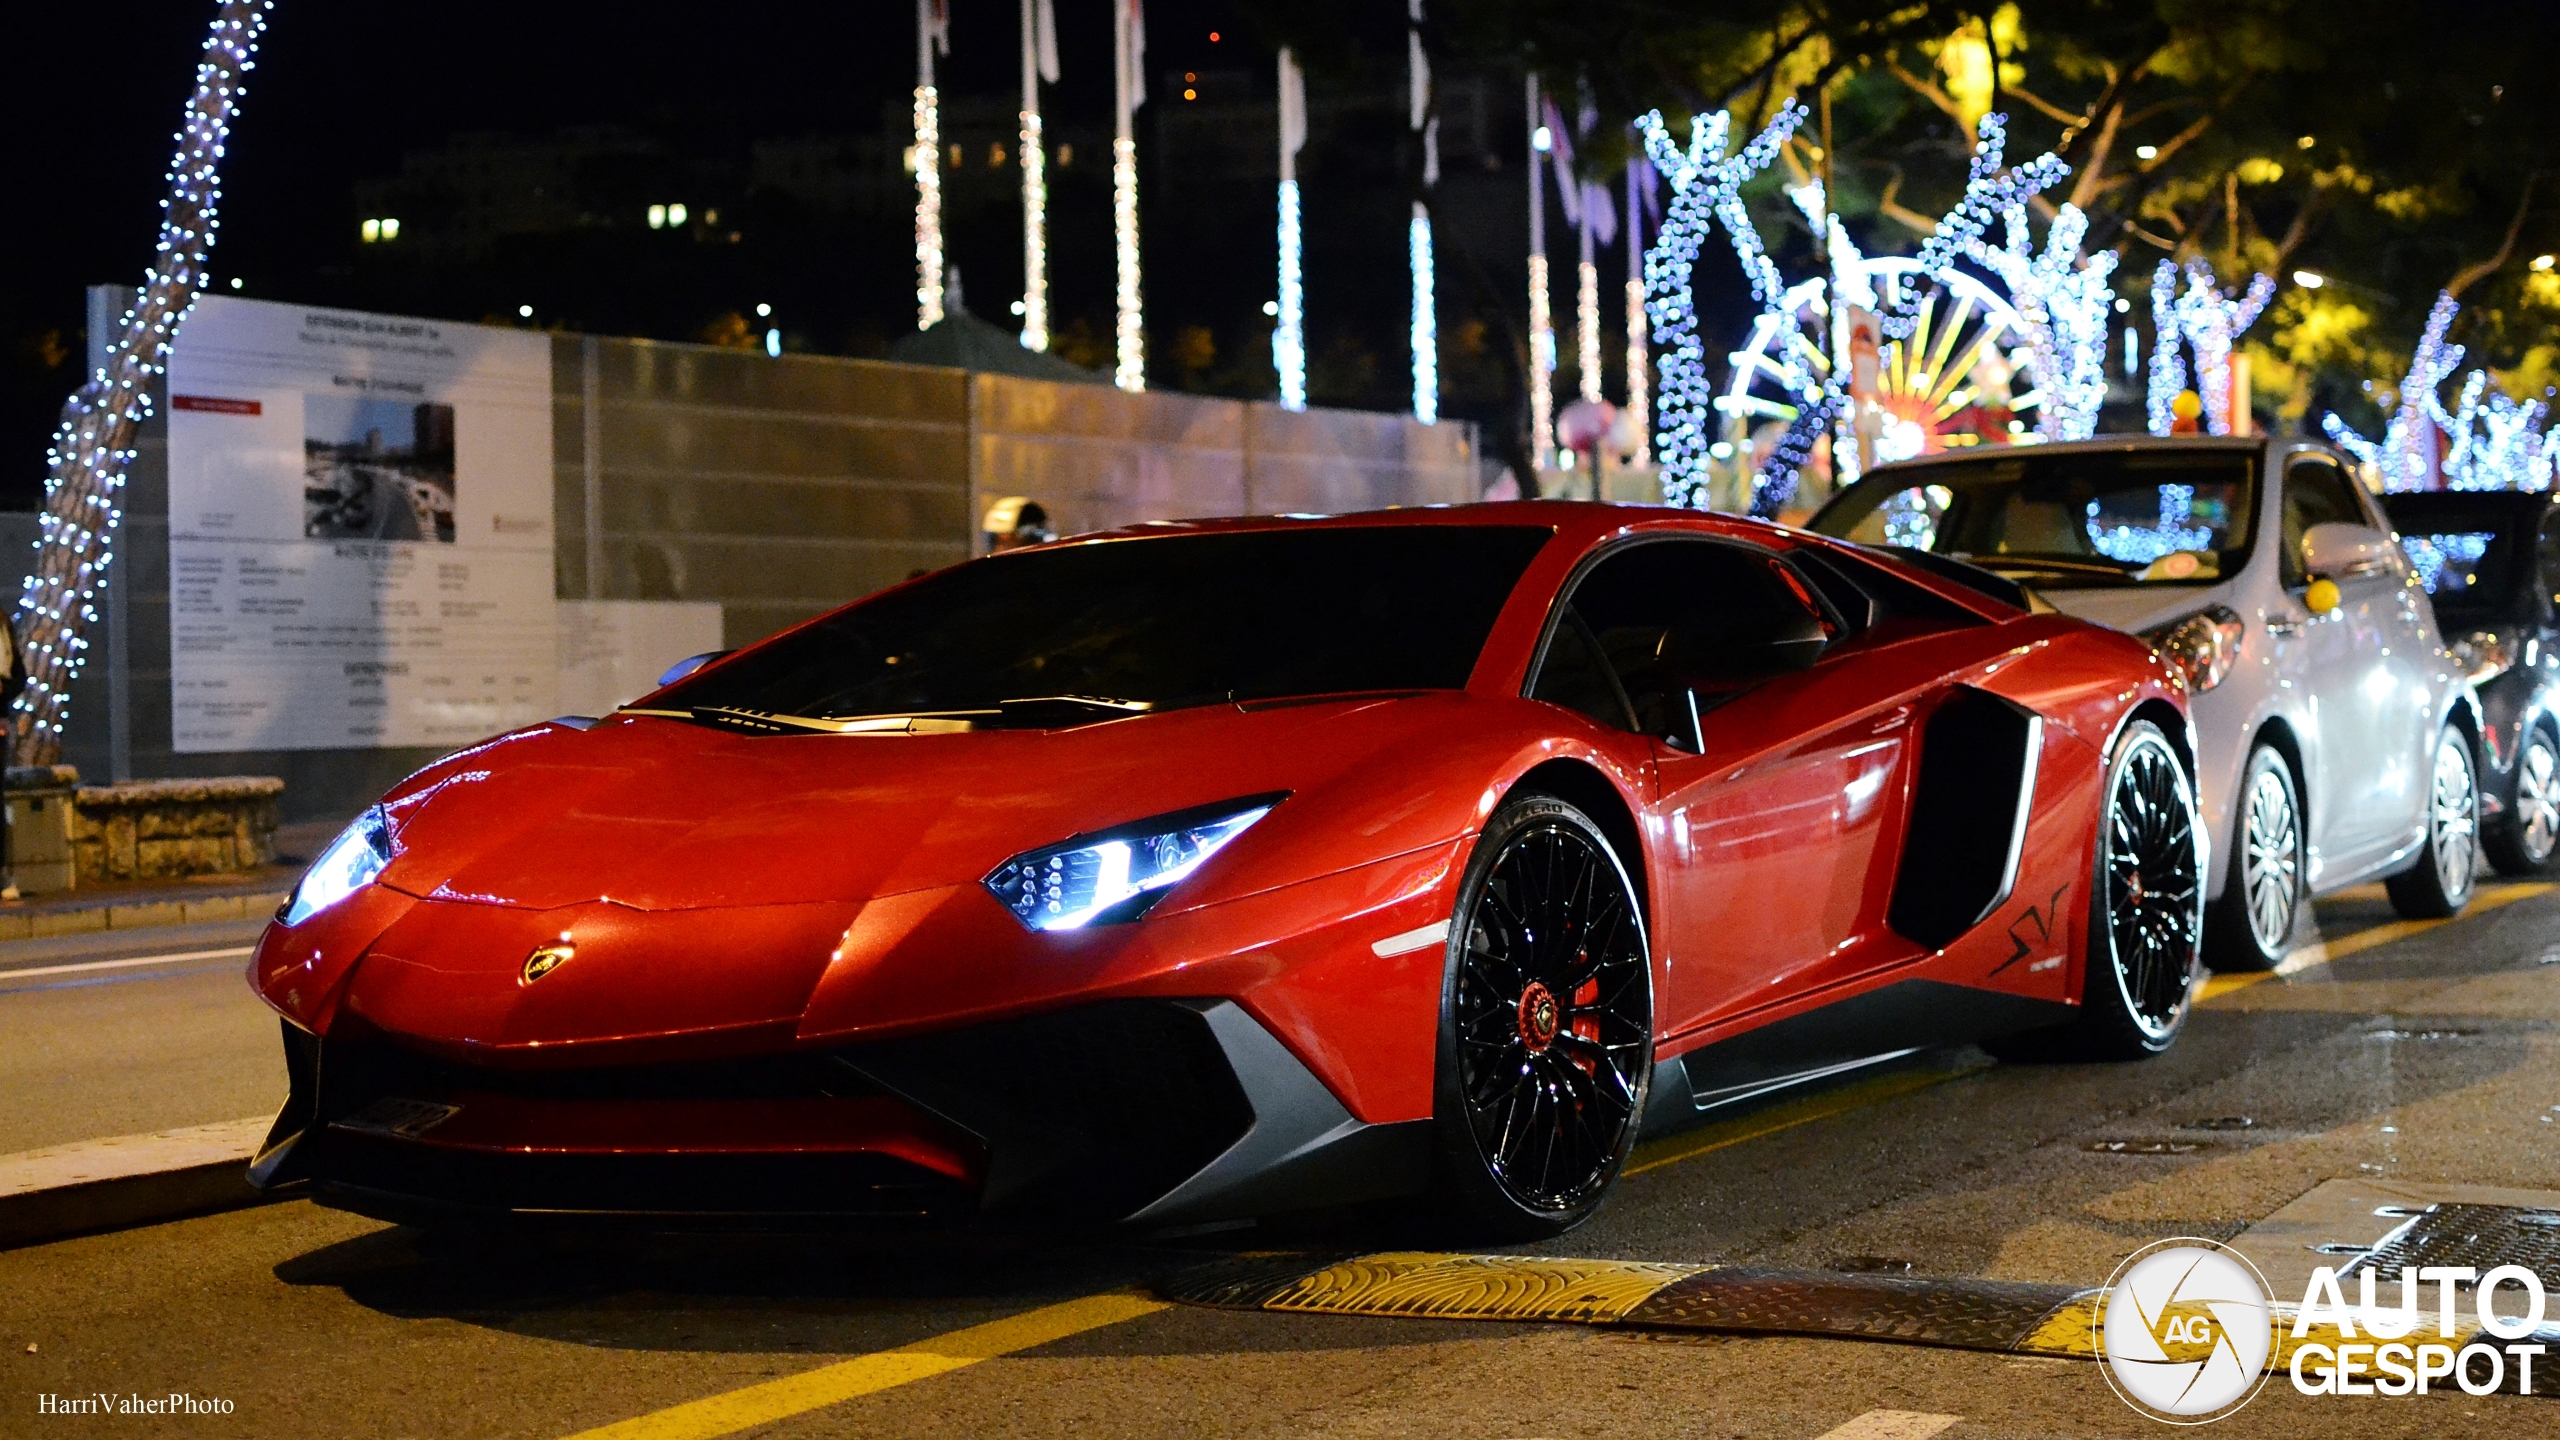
<point>2335,551</point>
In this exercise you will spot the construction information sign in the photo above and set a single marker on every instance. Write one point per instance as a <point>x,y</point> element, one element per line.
<point>359,530</point>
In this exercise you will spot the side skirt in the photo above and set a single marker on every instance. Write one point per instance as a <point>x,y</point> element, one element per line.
<point>1872,1028</point>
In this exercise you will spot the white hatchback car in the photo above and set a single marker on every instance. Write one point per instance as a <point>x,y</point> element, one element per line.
<point>2337,737</point>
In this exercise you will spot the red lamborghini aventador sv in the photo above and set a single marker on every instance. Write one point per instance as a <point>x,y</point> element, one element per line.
<point>1210,870</point>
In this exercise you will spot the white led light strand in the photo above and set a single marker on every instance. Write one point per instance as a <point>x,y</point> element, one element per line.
<point>2205,321</point>
<point>92,454</point>
<point>1706,185</point>
<point>2485,441</point>
<point>1289,337</point>
<point>1129,57</point>
<point>933,34</point>
<point>2065,298</point>
<point>1989,192</point>
<point>1039,62</point>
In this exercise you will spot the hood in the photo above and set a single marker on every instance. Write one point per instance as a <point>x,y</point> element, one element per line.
<point>659,814</point>
<point>2136,608</point>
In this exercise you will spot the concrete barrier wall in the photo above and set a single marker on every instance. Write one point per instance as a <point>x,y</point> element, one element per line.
<point>779,489</point>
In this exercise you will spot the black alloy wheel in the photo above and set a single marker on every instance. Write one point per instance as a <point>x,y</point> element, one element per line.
<point>2438,884</point>
<point>1546,1028</point>
<point>2521,841</point>
<point>2250,926</point>
<point>2147,919</point>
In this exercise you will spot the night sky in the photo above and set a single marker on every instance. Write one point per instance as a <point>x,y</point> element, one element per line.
<point>342,90</point>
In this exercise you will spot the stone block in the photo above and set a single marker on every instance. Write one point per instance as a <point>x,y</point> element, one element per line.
<point>173,829</point>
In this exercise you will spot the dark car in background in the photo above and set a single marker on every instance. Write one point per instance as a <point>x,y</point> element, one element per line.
<point>2490,561</point>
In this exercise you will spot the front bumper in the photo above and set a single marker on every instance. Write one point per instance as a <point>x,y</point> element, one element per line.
<point>1154,1111</point>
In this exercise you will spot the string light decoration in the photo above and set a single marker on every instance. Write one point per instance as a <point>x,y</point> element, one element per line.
<point>2065,298</point>
<point>1039,63</point>
<point>1706,186</point>
<point>2205,319</point>
<point>2488,439</point>
<point>1129,61</point>
<point>1424,331</point>
<point>1542,324</point>
<point>933,36</point>
<point>1289,337</point>
<point>1639,361</point>
<point>1989,193</point>
<point>92,453</point>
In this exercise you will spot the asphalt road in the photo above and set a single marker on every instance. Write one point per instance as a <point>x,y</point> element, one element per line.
<point>2419,1056</point>
<point>123,1032</point>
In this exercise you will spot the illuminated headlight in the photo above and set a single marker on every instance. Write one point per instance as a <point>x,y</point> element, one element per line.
<point>2484,655</point>
<point>2202,647</point>
<point>1116,875</point>
<point>349,864</point>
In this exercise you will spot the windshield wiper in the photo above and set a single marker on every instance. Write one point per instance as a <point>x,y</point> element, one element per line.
<point>2046,564</point>
<point>768,722</point>
<point>1069,709</point>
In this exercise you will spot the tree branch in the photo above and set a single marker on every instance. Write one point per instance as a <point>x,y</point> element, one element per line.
<point>2469,275</point>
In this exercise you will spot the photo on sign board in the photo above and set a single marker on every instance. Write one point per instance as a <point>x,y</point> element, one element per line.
<point>376,469</point>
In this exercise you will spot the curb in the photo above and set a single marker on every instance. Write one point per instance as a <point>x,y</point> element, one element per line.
<point>138,915</point>
<point>78,1189</point>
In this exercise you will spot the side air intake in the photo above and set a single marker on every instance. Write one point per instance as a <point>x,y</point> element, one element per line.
<point>1968,815</point>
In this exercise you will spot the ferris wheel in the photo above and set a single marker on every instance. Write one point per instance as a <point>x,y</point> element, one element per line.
<point>1948,383</point>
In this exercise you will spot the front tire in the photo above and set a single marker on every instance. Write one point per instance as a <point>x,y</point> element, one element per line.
<point>2521,841</point>
<point>2146,913</point>
<point>2439,884</point>
<point>2251,923</point>
<point>1546,1024</point>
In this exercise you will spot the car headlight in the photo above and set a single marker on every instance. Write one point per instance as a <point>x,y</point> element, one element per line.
<point>1116,875</point>
<point>2201,647</point>
<point>349,864</point>
<point>2484,655</point>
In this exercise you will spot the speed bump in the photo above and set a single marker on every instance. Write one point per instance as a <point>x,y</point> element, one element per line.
<point>1995,1315</point>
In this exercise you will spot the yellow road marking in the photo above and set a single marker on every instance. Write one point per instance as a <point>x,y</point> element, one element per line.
<point>2322,952</point>
<point>869,1374</point>
<point>1689,1145</point>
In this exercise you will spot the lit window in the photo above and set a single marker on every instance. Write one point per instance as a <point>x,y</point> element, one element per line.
<point>372,231</point>
<point>955,157</point>
<point>675,214</point>
<point>1066,156</point>
<point>657,217</point>
<point>390,228</point>
<point>995,157</point>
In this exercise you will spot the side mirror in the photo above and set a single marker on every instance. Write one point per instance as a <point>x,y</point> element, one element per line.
<point>687,666</point>
<point>2336,551</point>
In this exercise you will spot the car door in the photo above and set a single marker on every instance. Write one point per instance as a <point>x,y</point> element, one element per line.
<point>2364,778</point>
<point>1769,840</point>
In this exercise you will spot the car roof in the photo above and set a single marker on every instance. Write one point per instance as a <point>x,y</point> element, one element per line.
<point>1580,521</point>
<point>2099,445</point>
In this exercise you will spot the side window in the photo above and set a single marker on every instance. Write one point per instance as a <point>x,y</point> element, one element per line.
<point>2547,550</point>
<point>2316,492</point>
<point>1674,627</point>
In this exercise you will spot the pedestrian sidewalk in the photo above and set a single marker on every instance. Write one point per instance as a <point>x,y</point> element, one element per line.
<point>147,904</point>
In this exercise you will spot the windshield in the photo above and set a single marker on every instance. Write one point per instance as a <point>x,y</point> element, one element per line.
<point>2468,550</point>
<point>1156,622</point>
<point>2065,520</point>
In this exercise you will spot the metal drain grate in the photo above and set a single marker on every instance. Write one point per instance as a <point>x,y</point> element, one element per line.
<point>2481,1237</point>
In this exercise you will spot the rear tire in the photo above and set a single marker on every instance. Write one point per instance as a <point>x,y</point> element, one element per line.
<point>2146,913</point>
<point>1546,1025</point>
<point>2439,884</point>
<point>2521,841</point>
<point>2250,926</point>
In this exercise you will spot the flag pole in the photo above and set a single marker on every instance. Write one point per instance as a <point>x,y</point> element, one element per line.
<point>1639,359</point>
<point>1542,330</point>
